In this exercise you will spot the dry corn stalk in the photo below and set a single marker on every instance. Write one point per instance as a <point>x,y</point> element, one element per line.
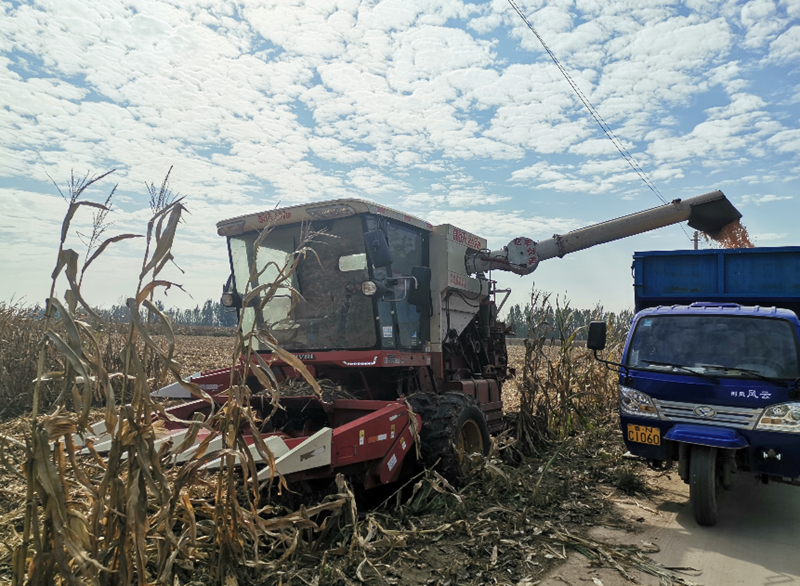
<point>562,385</point>
<point>84,525</point>
<point>131,516</point>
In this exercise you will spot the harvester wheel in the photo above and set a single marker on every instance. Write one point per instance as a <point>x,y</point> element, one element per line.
<point>453,429</point>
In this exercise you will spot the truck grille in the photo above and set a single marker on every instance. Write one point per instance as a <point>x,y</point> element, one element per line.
<point>735,417</point>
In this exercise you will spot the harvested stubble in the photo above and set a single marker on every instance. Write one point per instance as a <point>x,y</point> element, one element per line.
<point>329,390</point>
<point>199,353</point>
<point>512,522</point>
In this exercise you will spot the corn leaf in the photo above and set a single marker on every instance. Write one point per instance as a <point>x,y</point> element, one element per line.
<point>295,363</point>
<point>136,319</point>
<point>105,245</point>
<point>66,257</point>
<point>164,240</point>
<point>71,264</point>
<point>151,287</point>
<point>72,330</point>
<point>73,208</point>
<point>78,365</point>
<point>104,379</point>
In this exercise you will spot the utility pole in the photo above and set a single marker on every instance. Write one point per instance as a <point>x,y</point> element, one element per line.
<point>696,238</point>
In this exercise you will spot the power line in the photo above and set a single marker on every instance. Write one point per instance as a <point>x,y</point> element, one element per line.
<point>595,114</point>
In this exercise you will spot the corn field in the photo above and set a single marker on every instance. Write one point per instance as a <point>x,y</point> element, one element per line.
<point>564,390</point>
<point>136,516</point>
<point>131,517</point>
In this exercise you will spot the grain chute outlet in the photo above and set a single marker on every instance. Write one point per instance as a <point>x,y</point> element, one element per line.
<point>397,316</point>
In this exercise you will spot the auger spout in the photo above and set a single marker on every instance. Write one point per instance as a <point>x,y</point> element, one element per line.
<point>709,213</point>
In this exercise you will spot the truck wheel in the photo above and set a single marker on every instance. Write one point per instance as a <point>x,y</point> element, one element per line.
<point>453,426</point>
<point>704,485</point>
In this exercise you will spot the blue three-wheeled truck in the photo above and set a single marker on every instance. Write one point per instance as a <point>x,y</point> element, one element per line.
<point>710,375</point>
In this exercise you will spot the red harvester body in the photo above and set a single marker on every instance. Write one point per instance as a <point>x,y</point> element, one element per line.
<point>400,320</point>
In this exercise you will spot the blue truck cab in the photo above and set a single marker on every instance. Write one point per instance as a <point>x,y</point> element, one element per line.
<point>710,371</point>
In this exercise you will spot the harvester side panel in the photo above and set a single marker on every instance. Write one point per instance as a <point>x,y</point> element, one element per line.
<point>451,282</point>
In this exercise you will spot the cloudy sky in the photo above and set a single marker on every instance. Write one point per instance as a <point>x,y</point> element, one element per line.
<point>448,110</point>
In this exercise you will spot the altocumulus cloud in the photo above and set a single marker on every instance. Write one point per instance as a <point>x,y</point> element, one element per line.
<point>451,110</point>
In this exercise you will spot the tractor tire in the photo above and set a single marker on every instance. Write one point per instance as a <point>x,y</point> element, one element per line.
<point>453,426</point>
<point>705,485</point>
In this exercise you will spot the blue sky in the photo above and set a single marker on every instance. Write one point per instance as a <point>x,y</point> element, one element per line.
<point>447,110</point>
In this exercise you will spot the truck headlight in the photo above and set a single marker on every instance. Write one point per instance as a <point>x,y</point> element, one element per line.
<point>633,402</point>
<point>369,288</point>
<point>784,417</point>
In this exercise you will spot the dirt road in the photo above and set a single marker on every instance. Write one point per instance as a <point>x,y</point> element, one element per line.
<point>755,543</point>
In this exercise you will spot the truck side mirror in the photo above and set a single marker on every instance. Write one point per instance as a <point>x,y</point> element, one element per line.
<point>596,339</point>
<point>377,248</point>
<point>420,292</point>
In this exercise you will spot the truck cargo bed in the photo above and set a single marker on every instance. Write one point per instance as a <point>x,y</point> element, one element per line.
<point>767,276</point>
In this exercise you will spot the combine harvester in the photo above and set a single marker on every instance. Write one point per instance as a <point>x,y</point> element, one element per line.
<point>394,309</point>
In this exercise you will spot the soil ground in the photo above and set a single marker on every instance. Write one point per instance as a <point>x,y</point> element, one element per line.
<point>753,544</point>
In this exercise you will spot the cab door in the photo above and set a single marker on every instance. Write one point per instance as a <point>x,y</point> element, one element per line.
<point>409,247</point>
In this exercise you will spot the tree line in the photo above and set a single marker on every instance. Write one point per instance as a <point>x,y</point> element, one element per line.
<point>560,312</point>
<point>212,313</point>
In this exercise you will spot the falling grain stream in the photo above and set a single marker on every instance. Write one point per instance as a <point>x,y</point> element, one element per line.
<point>734,235</point>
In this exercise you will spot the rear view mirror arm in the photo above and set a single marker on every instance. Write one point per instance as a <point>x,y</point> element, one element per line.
<point>608,363</point>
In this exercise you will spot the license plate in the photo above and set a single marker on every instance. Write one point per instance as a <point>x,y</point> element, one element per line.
<point>644,435</point>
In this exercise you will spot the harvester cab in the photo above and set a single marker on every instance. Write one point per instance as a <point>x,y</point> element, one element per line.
<point>357,291</point>
<point>397,317</point>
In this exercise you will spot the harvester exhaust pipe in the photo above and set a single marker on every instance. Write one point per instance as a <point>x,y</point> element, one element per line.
<point>709,213</point>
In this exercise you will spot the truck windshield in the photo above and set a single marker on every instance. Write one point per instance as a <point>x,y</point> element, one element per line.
<point>728,346</point>
<point>332,313</point>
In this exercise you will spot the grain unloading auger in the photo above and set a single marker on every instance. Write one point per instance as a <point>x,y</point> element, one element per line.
<point>393,309</point>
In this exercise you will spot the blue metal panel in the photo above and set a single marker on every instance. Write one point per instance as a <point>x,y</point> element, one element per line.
<point>717,437</point>
<point>770,274</point>
<point>725,308</point>
<point>670,275</point>
<point>750,276</point>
